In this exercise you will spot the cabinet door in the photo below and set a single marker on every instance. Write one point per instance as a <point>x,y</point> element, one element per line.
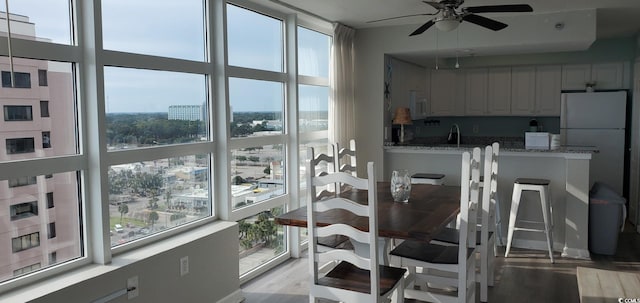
<point>607,75</point>
<point>548,90</point>
<point>499,91</point>
<point>575,76</point>
<point>476,92</point>
<point>443,92</point>
<point>523,90</point>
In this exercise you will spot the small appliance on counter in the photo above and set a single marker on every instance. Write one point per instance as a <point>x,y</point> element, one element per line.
<point>536,140</point>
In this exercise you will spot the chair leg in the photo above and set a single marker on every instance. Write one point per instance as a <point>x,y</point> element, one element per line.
<point>484,272</point>
<point>547,222</point>
<point>515,203</point>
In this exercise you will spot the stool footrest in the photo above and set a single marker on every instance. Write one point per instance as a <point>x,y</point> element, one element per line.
<point>529,229</point>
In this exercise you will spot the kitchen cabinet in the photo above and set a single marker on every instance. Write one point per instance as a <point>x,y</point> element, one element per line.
<point>548,90</point>
<point>447,92</point>
<point>523,90</point>
<point>476,91</point>
<point>499,91</point>
<point>604,75</point>
<point>608,75</point>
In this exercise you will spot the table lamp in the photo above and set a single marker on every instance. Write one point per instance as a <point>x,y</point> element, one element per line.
<point>402,117</point>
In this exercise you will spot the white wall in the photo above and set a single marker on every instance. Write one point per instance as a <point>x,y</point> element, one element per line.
<point>213,276</point>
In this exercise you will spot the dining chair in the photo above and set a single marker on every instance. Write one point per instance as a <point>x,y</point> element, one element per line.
<point>441,264</point>
<point>486,236</point>
<point>356,278</point>
<point>346,160</point>
<point>323,164</point>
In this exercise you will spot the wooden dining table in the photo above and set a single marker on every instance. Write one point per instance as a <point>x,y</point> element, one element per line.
<point>429,209</point>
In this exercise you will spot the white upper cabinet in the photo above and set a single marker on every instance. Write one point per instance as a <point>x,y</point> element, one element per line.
<point>499,91</point>
<point>575,76</point>
<point>523,90</point>
<point>548,90</point>
<point>476,92</point>
<point>607,75</point>
<point>447,92</point>
<point>604,75</point>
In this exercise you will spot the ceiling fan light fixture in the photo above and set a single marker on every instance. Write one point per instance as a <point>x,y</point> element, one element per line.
<point>447,25</point>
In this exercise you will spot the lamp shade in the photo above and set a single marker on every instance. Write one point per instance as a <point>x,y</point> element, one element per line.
<point>447,25</point>
<point>403,116</point>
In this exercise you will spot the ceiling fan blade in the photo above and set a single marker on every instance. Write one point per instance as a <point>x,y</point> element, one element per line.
<point>422,28</point>
<point>435,5</point>
<point>398,17</point>
<point>509,8</point>
<point>484,22</point>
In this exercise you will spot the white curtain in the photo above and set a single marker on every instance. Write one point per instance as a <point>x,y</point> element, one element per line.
<point>341,107</point>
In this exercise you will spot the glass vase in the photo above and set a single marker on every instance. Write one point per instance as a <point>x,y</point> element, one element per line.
<point>400,185</point>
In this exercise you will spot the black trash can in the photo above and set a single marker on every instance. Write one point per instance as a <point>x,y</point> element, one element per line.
<point>607,212</point>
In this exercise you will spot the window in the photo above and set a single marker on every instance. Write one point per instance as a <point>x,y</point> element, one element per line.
<point>51,230</point>
<point>53,257</point>
<point>26,269</point>
<point>313,53</point>
<point>24,210</point>
<point>46,139</point>
<point>148,197</point>
<point>257,174</point>
<point>257,107</point>
<point>261,239</point>
<point>44,109</point>
<point>138,114</point>
<point>42,77</point>
<point>20,146</point>
<point>313,108</point>
<point>25,242</point>
<point>22,181</point>
<point>22,80</point>
<point>50,200</point>
<point>141,27</point>
<point>18,113</point>
<point>251,48</point>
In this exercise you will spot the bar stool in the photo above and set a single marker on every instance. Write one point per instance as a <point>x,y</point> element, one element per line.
<point>542,187</point>
<point>426,178</point>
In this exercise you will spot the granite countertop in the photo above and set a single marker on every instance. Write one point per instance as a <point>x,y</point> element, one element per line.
<point>465,147</point>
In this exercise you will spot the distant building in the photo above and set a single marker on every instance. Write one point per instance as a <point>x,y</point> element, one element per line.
<point>187,112</point>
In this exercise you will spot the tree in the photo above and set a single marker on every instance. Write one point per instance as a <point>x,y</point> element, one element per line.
<point>167,198</point>
<point>267,170</point>
<point>123,208</point>
<point>254,158</point>
<point>153,217</point>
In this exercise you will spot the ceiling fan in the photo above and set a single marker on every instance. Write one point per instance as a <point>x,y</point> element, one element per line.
<point>449,15</point>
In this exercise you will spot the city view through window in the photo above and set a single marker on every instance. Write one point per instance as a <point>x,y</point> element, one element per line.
<point>149,116</point>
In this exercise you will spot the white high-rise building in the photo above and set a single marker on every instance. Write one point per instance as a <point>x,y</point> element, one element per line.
<point>186,112</point>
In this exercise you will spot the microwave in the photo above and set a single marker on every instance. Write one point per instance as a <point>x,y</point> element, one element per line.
<point>536,140</point>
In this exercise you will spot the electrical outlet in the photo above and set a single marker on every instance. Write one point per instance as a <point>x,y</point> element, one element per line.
<point>132,287</point>
<point>184,265</point>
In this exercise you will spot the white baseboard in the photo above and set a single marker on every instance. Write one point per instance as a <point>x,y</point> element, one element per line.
<point>234,297</point>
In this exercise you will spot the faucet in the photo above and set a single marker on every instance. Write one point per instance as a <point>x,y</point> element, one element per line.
<point>451,137</point>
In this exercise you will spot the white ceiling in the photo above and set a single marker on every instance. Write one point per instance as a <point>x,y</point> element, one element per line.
<point>615,18</point>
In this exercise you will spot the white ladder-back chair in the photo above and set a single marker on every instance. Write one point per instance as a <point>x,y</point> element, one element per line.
<point>323,164</point>
<point>486,236</point>
<point>355,278</point>
<point>346,160</point>
<point>447,265</point>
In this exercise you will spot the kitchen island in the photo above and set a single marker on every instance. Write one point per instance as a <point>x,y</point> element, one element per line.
<point>566,168</point>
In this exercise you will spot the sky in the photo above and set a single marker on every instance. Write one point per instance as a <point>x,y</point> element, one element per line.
<point>141,27</point>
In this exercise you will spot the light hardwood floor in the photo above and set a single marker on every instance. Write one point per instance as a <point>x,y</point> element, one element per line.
<point>526,276</point>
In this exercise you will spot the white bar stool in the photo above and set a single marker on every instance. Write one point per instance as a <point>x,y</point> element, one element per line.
<point>425,178</point>
<point>541,186</point>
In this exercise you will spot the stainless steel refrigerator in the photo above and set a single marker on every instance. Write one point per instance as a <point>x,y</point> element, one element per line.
<point>597,119</point>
